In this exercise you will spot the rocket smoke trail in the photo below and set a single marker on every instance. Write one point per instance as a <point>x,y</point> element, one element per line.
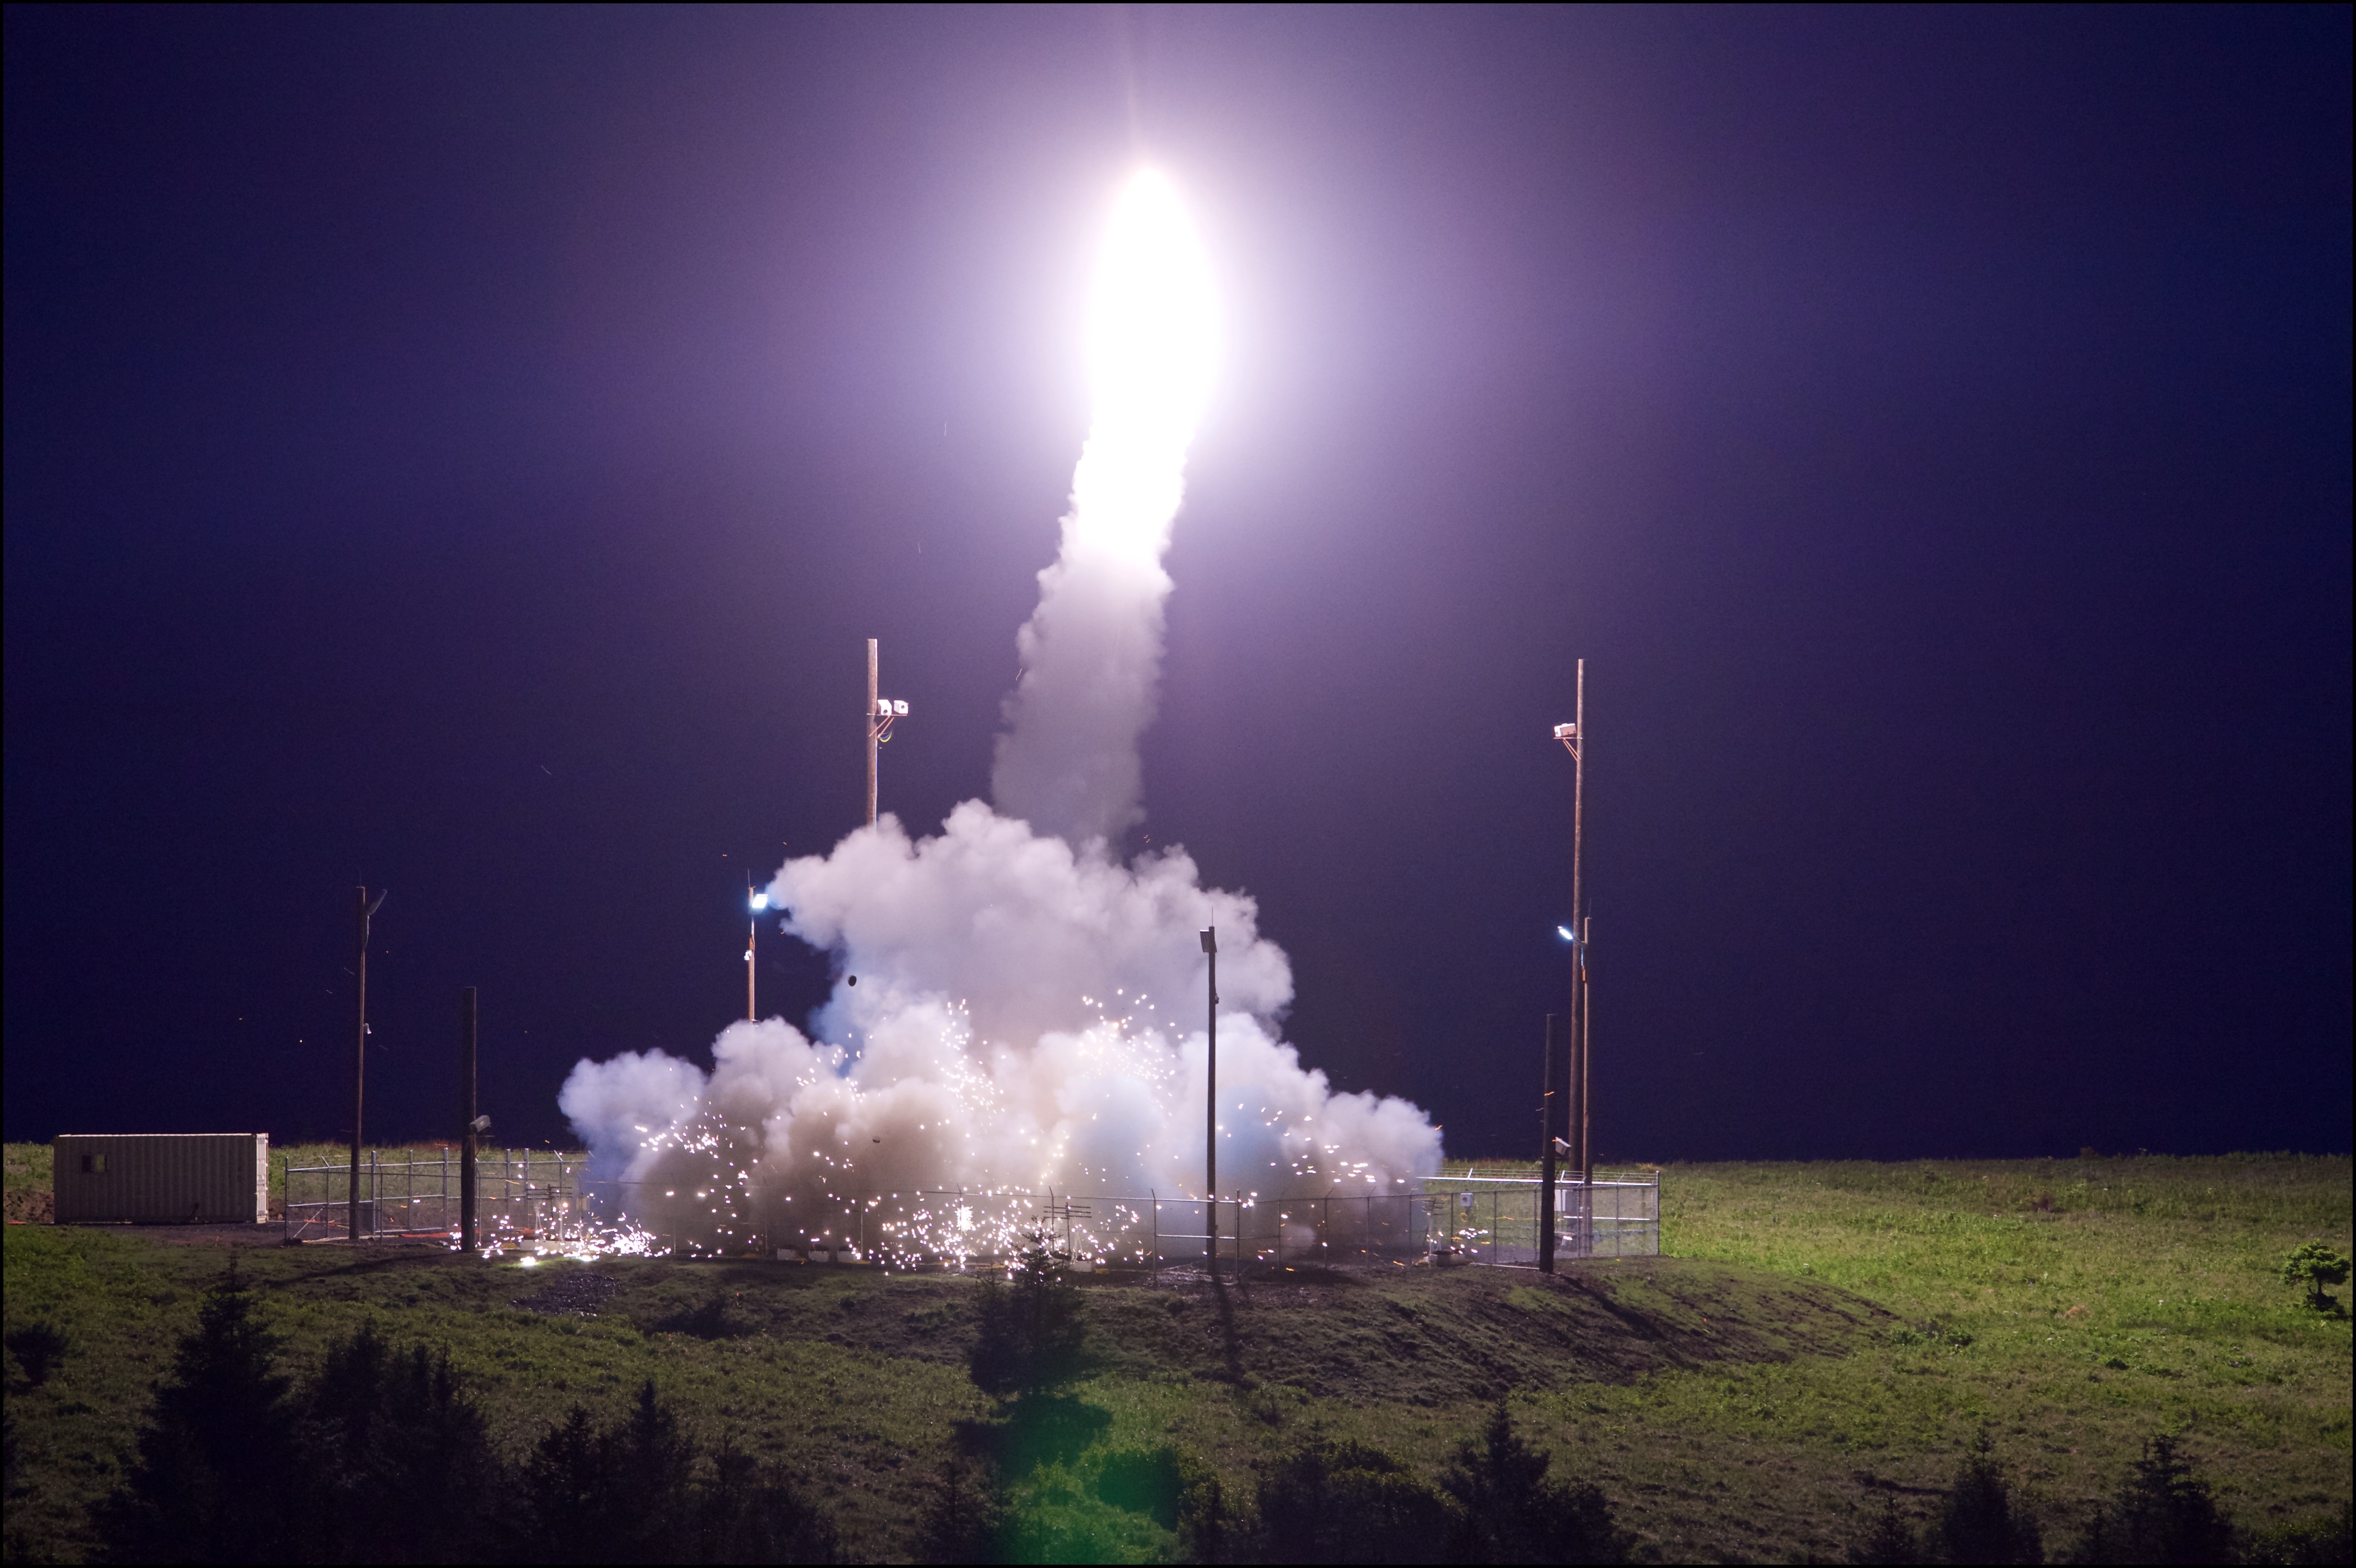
<point>1092,651</point>
<point>1027,1010</point>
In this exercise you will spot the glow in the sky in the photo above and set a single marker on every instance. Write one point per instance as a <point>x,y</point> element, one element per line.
<point>1153,350</point>
<point>1019,1011</point>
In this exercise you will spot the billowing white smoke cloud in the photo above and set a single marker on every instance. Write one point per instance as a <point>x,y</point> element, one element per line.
<point>1017,1009</point>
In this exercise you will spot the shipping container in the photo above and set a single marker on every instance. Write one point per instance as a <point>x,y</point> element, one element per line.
<point>161,1178</point>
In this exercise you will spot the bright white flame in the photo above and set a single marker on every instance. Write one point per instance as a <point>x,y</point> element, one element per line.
<point>1153,349</point>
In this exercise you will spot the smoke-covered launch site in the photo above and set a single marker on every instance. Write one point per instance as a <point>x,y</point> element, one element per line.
<point>815,784</point>
<point>1019,1013</point>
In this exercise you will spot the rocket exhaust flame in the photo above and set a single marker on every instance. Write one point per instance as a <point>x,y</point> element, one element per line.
<point>1020,1030</point>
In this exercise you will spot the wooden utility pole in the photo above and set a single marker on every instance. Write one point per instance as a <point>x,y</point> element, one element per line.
<point>1573,737</point>
<point>362,912</point>
<point>469,1133</point>
<point>1211,1105</point>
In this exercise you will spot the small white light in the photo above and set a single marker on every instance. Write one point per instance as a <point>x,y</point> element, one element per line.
<point>760,900</point>
<point>531,1262</point>
<point>1564,932</point>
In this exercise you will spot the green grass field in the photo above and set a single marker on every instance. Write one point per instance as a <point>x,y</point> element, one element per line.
<point>1823,1337</point>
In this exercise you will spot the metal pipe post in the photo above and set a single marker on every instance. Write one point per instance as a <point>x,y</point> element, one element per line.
<point>467,1146</point>
<point>1546,1154</point>
<point>359,1054</point>
<point>874,734</point>
<point>1586,1088</point>
<point>1578,925</point>
<point>1210,1107</point>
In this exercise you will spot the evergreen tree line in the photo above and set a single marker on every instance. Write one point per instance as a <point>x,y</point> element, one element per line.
<point>1329,1501</point>
<point>2162,1512</point>
<point>383,1455</point>
<point>1339,1501</point>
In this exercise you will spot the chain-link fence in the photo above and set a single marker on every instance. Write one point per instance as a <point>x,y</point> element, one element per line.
<point>518,1198</point>
<point>954,1228</point>
<point>1496,1220</point>
<point>547,1201</point>
<point>1491,1220</point>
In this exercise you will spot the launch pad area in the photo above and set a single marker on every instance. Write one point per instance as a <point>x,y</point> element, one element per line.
<point>550,1205</point>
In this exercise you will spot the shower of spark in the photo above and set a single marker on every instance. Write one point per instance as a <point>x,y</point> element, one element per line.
<point>1027,1019</point>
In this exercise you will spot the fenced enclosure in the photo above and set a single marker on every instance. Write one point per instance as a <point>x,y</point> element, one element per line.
<point>1491,1220</point>
<point>518,1198</point>
<point>1495,1219</point>
<point>547,1201</point>
<point>962,1229</point>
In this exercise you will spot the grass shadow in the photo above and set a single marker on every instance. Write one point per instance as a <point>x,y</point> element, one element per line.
<point>1035,1430</point>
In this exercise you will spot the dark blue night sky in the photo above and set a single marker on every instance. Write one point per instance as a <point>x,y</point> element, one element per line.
<point>464,450</point>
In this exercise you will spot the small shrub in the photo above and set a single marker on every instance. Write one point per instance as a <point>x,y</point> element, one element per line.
<point>1344,1502</point>
<point>1032,1330</point>
<point>2311,1266</point>
<point>1891,1539</point>
<point>38,1348</point>
<point>2310,1541</point>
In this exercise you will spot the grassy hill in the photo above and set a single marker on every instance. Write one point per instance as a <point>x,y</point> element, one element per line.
<point>1825,1336</point>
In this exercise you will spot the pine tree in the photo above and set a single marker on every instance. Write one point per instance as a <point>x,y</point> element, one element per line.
<point>217,1453</point>
<point>964,1520</point>
<point>1514,1514</point>
<point>1979,1521</point>
<point>2162,1513</point>
<point>1032,1328</point>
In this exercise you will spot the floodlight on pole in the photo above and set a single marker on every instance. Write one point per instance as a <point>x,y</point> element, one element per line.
<point>751,946</point>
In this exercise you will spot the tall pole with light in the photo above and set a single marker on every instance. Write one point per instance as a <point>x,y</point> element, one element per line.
<point>1573,737</point>
<point>362,912</point>
<point>751,946</point>
<point>1211,1102</point>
